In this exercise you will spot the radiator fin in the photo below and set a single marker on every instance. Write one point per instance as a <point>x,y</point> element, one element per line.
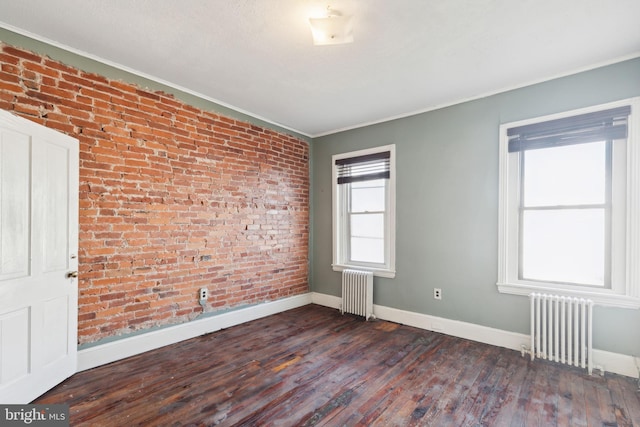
<point>561,329</point>
<point>357,293</point>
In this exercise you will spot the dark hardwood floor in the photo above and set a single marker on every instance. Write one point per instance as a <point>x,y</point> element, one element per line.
<point>313,366</point>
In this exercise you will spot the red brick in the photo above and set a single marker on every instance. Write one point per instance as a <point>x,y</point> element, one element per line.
<point>10,87</point>
<point>41,69</point>
<point>26,109</point>
<point>165,206</point>
<point>21,53</point>
<point>6,59</point>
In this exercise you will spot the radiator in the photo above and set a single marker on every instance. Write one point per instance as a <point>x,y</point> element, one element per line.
<point>561,330</point>
<point>357,293</point>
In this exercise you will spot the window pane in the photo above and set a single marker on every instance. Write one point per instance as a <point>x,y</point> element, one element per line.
<point>367,225</point>
<point>569,175</point>
<point>368,195</point>
<point>369,199</point>
<point>367,184</point>
<point>367,250</point>
<point>367,238</point>
<point>564,246</point>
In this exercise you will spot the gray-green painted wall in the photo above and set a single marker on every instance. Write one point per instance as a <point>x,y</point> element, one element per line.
<point>447,204</point>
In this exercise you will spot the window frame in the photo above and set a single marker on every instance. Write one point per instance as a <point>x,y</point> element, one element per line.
<point>341,217</point>
<point>624,290</point>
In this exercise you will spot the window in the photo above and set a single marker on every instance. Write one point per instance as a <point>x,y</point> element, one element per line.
<point>364,210</point>
<point>569,205</point>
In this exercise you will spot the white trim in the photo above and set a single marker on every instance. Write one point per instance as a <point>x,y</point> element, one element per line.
<point>326,300</point>
<point>599,298</point>
<point>376,271</point>
<point>616,363</point>
<point>633,202</point>
<point>611,362</point>
<point>625,291</point>
<point>116,350</point>
<point>470,331</point>
<point>339,237</point>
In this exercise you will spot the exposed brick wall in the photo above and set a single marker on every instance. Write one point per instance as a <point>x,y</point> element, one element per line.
<point>172,198</point>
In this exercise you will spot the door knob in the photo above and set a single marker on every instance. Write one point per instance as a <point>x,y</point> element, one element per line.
<point>72,274</point>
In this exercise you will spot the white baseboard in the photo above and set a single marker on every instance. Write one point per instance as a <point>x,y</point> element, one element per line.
<point>326,300</point>
<point>617,363</point>
<point>115,350</point>
<point>611,362</point>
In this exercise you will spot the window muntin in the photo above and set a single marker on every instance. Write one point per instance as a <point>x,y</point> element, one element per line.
<point>364,210</point>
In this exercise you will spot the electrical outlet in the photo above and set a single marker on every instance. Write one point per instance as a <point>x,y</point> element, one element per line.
<point>204,294</point>
<point>437,293</point>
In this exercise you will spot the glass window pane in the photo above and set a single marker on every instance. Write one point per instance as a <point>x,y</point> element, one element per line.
<point>367,250</point>
<point>564,246</point>
<point>570,175</point>
<point>367,184</point>
<point>367,225</point>
<point>369,199</point>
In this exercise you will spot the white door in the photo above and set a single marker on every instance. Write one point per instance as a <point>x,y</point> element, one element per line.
<point>38,258</point>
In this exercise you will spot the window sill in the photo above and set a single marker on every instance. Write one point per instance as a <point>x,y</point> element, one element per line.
<point>606,299</point>
<point>390,274</point>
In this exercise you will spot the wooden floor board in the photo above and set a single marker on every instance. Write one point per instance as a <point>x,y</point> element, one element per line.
<point>312,366</point>
<point>627,413</point>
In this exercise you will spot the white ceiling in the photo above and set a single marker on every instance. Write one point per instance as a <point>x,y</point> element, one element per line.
<point>408,56</point>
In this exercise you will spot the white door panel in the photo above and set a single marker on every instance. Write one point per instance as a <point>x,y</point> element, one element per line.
<point>15,196</point>
<point>55,316</point>
<point>14,345</point>
<point>38,249</point>
<point>53,187</point>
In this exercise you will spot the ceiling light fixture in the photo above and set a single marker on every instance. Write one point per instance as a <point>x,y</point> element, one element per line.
<point>334,28</point>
